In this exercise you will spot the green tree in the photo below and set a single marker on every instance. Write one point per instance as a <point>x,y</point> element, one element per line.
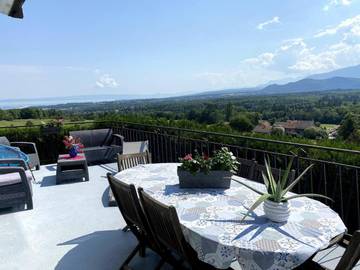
<point>229,111</point>
<point>315,133</point>
<point>348,126</point>
<point>241,123</point>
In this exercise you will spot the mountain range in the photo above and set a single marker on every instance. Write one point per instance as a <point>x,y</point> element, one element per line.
<point>340,79</point>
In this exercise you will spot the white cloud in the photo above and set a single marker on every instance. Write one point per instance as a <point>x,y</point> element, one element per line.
<point>275,19</point>
<point>352,25</point>
<point>295,58</point>
<point>106,81</point>
<point>334,3</point>
<point>263,59</point>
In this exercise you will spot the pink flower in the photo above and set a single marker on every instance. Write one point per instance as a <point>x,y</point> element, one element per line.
<point>188,157</point>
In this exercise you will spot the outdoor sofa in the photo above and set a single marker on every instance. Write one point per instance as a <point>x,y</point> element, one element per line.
<point>100,145</point>
<point>29,148</point>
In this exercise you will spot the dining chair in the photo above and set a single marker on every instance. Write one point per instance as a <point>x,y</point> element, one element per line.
<point>246,168</point>
<point>128,161</point>
<point>277,173</point>
<point>342,256</point>
<point>131,210</point>
<point>165,225</point>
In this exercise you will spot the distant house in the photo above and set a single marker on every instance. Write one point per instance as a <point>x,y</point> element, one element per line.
<point>263,127</point>
<point>295,127</point>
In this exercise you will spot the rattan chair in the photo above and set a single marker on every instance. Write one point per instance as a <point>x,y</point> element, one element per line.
<point>165,225</point>
<point>277,173</point>
<point>15,184</point>
<point>246,168</point>
<point>347,261</point>
<point>129,206</point>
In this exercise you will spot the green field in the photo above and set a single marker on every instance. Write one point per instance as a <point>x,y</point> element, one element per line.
<point>329,127</point>
<point>22,122</point>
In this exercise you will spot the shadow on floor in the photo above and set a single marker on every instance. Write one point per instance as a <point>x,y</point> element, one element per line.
<point>109,167</point>
<point>50,180</point>
<point>98,250</point>
<point>105,198</point>
<point>51,168</point>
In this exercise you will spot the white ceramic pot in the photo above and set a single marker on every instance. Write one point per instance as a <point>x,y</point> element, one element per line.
<point>277,212</point>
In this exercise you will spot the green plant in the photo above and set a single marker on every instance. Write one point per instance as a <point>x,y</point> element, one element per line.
<point>222,160</point>
<point>276,191</point>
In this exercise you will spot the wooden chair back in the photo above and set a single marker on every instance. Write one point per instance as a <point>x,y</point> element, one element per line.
<point>128,203</point>
<point>131,160</point>
<point>277,173</point>
<point>352,253</point>
<point>164,223</point>
<point>246,168</point>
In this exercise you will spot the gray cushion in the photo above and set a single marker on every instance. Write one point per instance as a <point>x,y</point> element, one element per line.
<point>95,137</point>
<point>4,141</point>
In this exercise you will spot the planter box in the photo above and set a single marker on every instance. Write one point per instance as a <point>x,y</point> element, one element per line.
<point>214,179</point>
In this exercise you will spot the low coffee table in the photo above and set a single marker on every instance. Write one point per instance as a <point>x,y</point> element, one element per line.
<point>69,168</point>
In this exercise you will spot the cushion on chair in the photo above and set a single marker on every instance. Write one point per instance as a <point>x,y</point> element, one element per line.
<point>13,178</point>
<point>4,141</point>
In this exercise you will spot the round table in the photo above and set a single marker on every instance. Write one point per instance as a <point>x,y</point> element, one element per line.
<point>211,221</point>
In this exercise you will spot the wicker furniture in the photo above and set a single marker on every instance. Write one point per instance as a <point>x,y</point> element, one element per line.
<point>71,168</point>
<point>15,184</point>
<point>129,161</point>
<point>277,173</point>
<point>28,148</point>
<point>347,261</point>
<point>101,145</point>
<point>131,210</point>
<point>165,225</point>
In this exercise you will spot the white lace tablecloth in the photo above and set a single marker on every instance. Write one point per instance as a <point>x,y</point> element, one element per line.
<point>211,221</point>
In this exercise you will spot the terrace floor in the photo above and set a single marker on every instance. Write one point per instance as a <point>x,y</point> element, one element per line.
<point>71,227</point>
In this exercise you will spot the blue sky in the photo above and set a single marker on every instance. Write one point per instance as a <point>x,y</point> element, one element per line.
<point>64,48</point>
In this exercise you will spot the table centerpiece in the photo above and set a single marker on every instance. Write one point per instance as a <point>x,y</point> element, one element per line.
<point>73,145</point>
<point>275,199</point>
<point>202,171</point>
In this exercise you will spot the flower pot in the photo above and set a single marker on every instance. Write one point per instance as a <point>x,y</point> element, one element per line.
<point>214,179</point>
<point>277,212</point>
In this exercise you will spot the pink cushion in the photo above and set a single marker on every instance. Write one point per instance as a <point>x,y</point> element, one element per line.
<point>13,178</point>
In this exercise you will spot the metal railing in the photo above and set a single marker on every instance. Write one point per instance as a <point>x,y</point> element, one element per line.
<point>335,172</point>
<point>329,175</point>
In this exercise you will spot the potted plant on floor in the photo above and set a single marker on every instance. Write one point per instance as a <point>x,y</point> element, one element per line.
<point>201,171</point>
<point>275,199</point>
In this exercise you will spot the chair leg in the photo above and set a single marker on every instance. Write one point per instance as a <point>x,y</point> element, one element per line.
<point>124,266</point>
<point>126,229</point>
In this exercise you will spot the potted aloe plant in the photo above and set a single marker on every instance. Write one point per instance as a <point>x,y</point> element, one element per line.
<point>202,171</point>
<point>275,199</point>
